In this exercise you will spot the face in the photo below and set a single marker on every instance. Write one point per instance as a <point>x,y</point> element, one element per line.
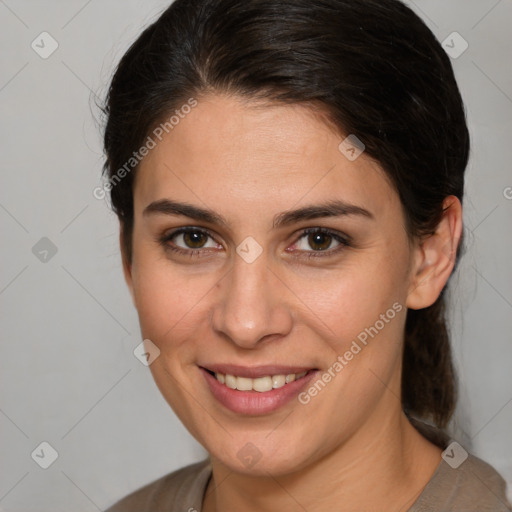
<point>260,251</point>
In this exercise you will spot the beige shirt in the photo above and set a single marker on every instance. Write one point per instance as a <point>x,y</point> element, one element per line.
<point>472,487</point>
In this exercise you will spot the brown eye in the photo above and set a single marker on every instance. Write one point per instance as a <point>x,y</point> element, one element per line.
<point>190,239</point>
<point>195,239</point>
<point>320,241</point>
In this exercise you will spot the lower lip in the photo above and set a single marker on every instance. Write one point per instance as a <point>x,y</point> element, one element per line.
<point>254,402</point>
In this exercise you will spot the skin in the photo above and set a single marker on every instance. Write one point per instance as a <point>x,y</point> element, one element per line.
<point>249,163</point>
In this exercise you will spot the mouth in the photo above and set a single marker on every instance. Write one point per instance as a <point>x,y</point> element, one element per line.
<point>261,384</point>
<point>256,390</point>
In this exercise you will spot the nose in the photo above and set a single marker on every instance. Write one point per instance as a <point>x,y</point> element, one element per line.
<point>250,306</point>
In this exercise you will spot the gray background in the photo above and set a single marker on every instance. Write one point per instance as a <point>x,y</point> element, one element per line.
<point>68,373</point>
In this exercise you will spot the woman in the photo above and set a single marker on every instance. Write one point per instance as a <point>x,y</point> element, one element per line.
<point>288,176</point>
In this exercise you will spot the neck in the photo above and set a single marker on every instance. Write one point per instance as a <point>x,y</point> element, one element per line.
<point>382,467</point>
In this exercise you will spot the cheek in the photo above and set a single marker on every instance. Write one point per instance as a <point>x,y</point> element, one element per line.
<point>173,306</point>
<point>358,319</point>
<point>347,303</point>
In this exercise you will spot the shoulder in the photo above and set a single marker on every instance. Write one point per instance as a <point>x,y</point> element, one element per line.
<point>473,486</point>
<point>180,490</point>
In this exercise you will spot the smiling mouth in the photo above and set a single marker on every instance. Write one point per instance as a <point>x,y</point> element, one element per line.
<point>260,384</point>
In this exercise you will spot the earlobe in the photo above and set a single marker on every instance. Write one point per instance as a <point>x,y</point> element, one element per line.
<point>435,257</point>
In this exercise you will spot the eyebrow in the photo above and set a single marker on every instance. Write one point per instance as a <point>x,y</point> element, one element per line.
<point>168,207</point>
<point>329,209</point>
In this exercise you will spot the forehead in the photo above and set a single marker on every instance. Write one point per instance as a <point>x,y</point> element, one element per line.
<point>257,157</point>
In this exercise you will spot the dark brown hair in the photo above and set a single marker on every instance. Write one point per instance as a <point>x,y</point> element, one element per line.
<point>375,68</point>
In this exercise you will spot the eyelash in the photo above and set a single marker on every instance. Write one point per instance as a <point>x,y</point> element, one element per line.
<point>344,241</point>
<point>164,241</point>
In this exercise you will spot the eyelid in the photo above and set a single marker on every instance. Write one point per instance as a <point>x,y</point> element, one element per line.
<point>340,237</point>
<point>187,229</point>
<point>343,240</point>
<point>166,238</point>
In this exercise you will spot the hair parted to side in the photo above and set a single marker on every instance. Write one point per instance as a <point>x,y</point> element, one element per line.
<point>375,69</point>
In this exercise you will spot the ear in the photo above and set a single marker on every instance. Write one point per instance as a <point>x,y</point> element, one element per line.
<point>434,257</point>
<point>126,260</point>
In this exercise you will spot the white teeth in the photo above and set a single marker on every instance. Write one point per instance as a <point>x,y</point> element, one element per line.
<point>243,384</point>
<point>278,381</point>
<point>260,384</point>
<point>231,381</point>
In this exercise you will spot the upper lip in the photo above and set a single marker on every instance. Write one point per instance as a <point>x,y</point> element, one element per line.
<point>253,372</point>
